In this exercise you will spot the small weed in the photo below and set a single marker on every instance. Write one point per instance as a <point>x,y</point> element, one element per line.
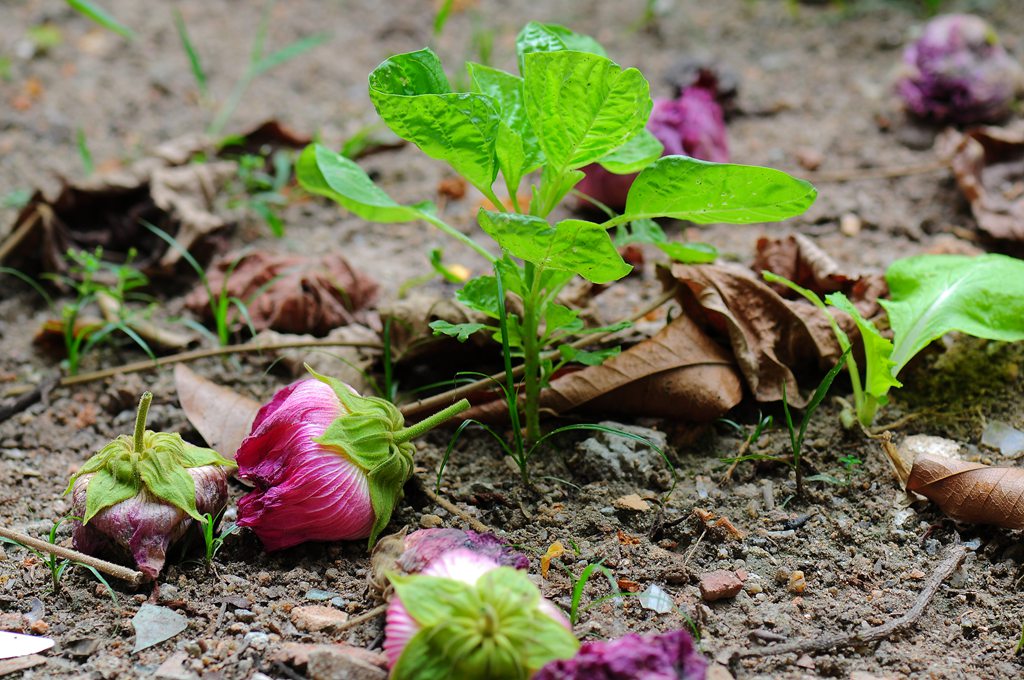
<point>84,155</point>
<point>260,192</point>
<point>102,17</point>
<point>16,198</point>
<point>213,543</point>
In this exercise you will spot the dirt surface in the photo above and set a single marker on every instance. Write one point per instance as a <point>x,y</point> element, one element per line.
<point>814,81</point>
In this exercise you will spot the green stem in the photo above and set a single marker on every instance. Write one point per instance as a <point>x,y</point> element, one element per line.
<point>531,357</point>
<point>140,419</point>
<point>430,422</point>
<point>458,235</point>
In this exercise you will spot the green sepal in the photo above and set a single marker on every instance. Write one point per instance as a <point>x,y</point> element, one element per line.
<point>365,433</point>
<point>107,488</point>
<point>165,478</point>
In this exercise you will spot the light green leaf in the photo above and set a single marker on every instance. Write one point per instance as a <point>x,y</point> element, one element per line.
<point>431,600</point>
<point>689,189</point>
<point>578,246</point>
<point>588,358</point>
<point>561,318</point>
<point>459,331</point>
<point>412,95</point>
<point>635,155</point>
<point>289,52</point>
<point>935,294</point>
<point>106,489</point>
<point>690,253</point>
<point>195,456</point>
<point>164,476</point>
<point>538,37</point>
<point>420,661</point>
<point>480,294</point>
<point>640,231</point>
<point>879,375</point>
<point>101,17</point>
<point>583,106</point>
<point>326,173</point>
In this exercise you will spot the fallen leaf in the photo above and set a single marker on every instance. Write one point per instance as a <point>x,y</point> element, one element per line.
<point>988,163</point>
<point>971,492</point>
<point>289,293</point>
<point>19,664</point>
<point>679,373</point>
<point>626,539</point>
<point>770,336</point>
<point>627,585</point>
<point>631,502</point>
<point>222,416</point>
<point>554,550</point>
<point>153,624</point>
<point>15,644</point>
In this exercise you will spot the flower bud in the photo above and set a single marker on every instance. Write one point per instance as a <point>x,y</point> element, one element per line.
<point>140,495</point>
<point>957,72</point>
<point>327,464</point>
<point>668,656</point>
<point>465,616</point>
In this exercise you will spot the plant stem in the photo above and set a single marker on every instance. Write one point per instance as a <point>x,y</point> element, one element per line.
<point>430,422</point>
<point>117,571</point>
<point>140,420</point>
<point>458,235</point>
<point>531,357</point>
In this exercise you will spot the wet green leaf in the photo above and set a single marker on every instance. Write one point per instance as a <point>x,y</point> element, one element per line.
<point>633,156</point>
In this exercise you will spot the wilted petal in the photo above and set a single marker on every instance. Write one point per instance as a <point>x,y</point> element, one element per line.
<point>669,656</point>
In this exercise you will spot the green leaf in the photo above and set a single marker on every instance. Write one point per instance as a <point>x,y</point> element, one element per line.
<point>289,52</point>
<point>690,253</point>
<point>635,155</point>
<point>421,661</point>
<point>588,358</point>
<point>640,231</point>
<point>583,106</point>
<point>101,17</point>
<point>689,189</point>
<point>431,600</point>
<point>935,294</point>
<point>164,476</point>
<point>879,375</point>
<point>561,318</point>
<point>411,93</point>
<point>437,262</point>
<point>480,294</point>
<point>578,246</point>
<point>324,172</point>
<point>196,456</point>
<point>538,37</point>
<point>459,331</point>
<point>106,489</point>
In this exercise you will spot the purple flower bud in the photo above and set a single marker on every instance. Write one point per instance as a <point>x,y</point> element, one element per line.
<point>140,495</point>
<point>668,656</point>
<point>957,72</point>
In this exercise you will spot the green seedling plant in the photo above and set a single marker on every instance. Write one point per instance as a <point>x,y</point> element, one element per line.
<point>213,540</point>
<point>261,192</point>
<point>930,296</point>
<point>102,17</point>
<point>89,277</point>
<point>570,106</point>
<point>59,567</point>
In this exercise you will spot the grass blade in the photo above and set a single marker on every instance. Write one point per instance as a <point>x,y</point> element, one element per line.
<point>101,17</point>
<point>289,52</point>
<point>193,56</point>
<point>83,152</point>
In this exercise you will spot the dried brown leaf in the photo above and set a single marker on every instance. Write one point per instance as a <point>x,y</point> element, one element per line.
<point>773,339</point>
<point>290,293</point>
<point>988,163</point>
<point>971,492</point>
<point>222,416</point>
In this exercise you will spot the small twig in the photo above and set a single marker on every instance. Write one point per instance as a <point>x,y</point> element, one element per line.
<point>440,400</point>
<point>693,549</point>
<point>117,571</point>
<point>954,557</point>
<point>857,174</point>
<point>19,234</point>
<point>37,393</point>
<point>361,619</point>
<point>474,523</point>
<point>207,352</point>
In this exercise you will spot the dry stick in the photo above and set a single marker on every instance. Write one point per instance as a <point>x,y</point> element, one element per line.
<point>855,174</point>
<point>473,522</point>
<point>19,234</point>
<point>439,400</point>
<point>117,571</point>
<point>362,618</point>
<point>954,556</point>
<point>207,352</point>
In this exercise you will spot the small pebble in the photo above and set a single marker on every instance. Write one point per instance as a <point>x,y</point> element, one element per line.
<point>797,582</point>
<point>430,521</point>
<point>719,585</point>
<point>244,615</point>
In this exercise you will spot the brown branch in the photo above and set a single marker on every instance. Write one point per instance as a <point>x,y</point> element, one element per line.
<point>19,234</point>
<point>152,364</point>
<point>116,570</point>
<point>473,522</point>
<point>954,557</point>
<point>362,618</point>
<point>438,401</point>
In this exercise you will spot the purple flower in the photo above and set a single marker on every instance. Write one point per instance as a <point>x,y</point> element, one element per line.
<point>957,72</point>
<point>668,656</point>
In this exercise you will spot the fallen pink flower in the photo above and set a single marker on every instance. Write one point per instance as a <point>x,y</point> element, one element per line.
<point>668,656</point>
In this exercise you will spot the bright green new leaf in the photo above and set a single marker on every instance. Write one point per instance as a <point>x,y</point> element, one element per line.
<point>101,17</point>
<point>459,331</point>
<point>935,294</point>
<point>635,155</point>
<point>572,245</point>
<point>538,37</point>
<point>583,106</point>
<point>689,189</point>
<point>326,173</point>
<point>689,253</point>
<point>412,95</point>
<point>588,357</point>
<point>879,376</point>
<point>561,318</point>
<point>480,294</point>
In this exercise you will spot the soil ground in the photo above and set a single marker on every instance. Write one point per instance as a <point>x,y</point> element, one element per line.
<point>816,79</point>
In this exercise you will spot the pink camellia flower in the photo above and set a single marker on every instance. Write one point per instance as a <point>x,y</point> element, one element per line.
<point>465,616</point>
<point>668,656</point>
<point>691,125</point>
<point>327,464</point>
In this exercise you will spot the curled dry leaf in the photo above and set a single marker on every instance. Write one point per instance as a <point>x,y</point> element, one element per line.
<point>771,337</point>
<point>679,373</point>
<point>988,163</point>
<point>800,260</point>
<point>290,293</point>
<point>222,416</point>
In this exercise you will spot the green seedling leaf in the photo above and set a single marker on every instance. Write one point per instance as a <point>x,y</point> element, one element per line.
<point>880,373</point>
<point>441,18</point>
<point>935,294</point>
<point>101,17</point>
<point>287,53</point>
<point>577,246</point>
<point>689,189</point>
<point>459,331</point>
<point>635,155</point>
<point>194,62</point>
<point>588,357</point>
<point>411,93</point>
<point>583,106</point>
<point>690,253</point>
<point>480,294</point>
<point>538,37</point>
<point>561,318</point>
<point>324,172</point>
